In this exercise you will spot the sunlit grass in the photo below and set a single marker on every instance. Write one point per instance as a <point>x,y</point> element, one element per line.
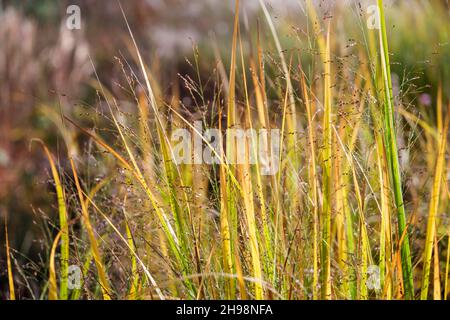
<point>341,205</point>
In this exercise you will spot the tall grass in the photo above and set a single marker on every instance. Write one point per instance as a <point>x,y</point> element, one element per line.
<point>390,140</point>
<point>12,293</point>
<point>431,238</point>
<point>153,229</point>
<point>63,234</point>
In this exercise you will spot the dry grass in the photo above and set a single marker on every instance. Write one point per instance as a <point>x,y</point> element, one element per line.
<point>342,204</point>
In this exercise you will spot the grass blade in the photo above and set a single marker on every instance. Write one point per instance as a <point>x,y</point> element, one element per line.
<point>12,295</point>
<point>64,228</point>
<point>106,290</point>
<point>53,287</point>
<point>326,178</point>
<point>434,206</point>
<point>392,156</point>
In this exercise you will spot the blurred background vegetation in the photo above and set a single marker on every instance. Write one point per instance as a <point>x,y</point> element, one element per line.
<point>43,66</point>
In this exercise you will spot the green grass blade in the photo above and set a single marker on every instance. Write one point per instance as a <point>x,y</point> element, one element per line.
<point>392,156</point>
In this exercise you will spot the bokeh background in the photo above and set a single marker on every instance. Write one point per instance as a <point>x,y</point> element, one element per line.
<point>44,66</point>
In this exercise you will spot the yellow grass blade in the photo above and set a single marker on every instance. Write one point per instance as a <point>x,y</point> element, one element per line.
<point>436,271</point>
<point>252,229</point>
<point>313,177</point>
<point>447,264</point>
<point>106,290</point>
<point>433,211</point>
<point>327,159</point>
<point>12,295</point>
<point>53,287</point>
<point>64,228</point>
